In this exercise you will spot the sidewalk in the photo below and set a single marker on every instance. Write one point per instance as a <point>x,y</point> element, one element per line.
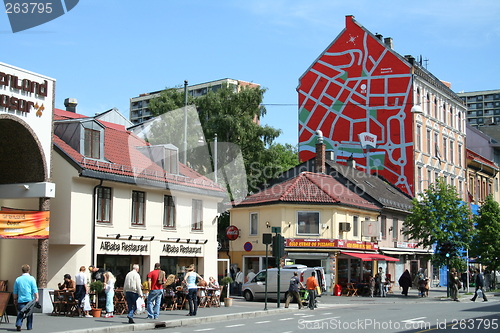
<point>45,323</point>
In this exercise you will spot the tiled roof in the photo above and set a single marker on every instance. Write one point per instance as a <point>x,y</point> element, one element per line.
<point>473,156</point>
<point>377,188</point>
<point>121,158</point>
<point>310,188</point>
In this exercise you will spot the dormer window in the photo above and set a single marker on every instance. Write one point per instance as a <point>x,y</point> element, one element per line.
<point>92,143</point>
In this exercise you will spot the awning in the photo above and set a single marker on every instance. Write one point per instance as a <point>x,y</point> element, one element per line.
<point>307,255</point>
<point>369,256</point>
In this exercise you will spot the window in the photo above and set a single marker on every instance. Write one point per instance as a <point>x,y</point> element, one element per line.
<point>445,148</point>
<point>428,141</point>
<point>355,222</point>
<point>383,226</point>
<point>197,215</point>
<point>395,229</point>
<point>460,155</point>
<point>138,209</point>
<point>168,212</point>
<point>452,154</point>
<point>254,222</point>
<point>104,204</point>
<point>419,135</point>
<point>436,146</point>
<point>308,223</point>
<point>92,143</point>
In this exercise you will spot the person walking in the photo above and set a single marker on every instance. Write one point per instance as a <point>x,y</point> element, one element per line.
<point>311,284</point>
<point>293,290</point>
<point>453,282</point>
<point>479,286</point>
<point>81,288</point>
<point>109,289</point>
<point>405,282</point>
<point>190,281</point>
<point>25,291</point>
<point>239,281</point>
<point>380,281</point>
<point>156,279</point>
<point>133,290</point>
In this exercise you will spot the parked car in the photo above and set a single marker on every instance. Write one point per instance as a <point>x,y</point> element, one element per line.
<point>256,288</point>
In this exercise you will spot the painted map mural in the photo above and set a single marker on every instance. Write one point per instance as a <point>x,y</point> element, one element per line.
<point>359,89</point>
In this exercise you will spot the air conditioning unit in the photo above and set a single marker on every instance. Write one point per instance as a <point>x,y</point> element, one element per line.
<point>345,226</point>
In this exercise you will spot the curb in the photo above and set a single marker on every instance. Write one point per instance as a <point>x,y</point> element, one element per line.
<point>182,322</point>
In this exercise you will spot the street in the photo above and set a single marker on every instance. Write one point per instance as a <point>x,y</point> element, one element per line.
<point>365,314</point>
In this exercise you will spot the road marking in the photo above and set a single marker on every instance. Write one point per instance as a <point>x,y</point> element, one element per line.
<point>204,329</point>
<point>236,325</point>
<point>283,319</point>
<point>263,322</point>
<point>414,320</point>
<point>323,319</point>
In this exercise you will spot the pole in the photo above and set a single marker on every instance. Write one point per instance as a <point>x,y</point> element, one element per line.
<point>267,265</point>
<point>448,277</point>
<point>215,158</point>
<point>185,122</point>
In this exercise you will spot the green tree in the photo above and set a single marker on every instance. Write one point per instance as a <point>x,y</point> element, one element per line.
<point>234,116</point>
<point>486,243</point>
<point>438,216</point>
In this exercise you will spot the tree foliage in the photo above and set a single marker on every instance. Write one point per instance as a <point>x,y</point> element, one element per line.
<point>437,216</point>
<point>234,116</point>
<point>486,241</point>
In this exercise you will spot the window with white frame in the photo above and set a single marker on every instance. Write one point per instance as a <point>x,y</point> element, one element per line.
<point>254,222</point>
<point>138,208</point>
<point>308,223</point>
<point>104,201</point>
<point>197,215</point>
<point>168,212</point>
<point>92,143</point>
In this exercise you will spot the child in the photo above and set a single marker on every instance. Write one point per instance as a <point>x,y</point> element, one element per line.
<point>372,285</point>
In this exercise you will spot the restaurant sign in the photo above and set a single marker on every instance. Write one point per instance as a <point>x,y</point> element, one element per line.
<point>406,245</point>
<point>330,243</point>
<point>124,247</point>
<point>184,250</point>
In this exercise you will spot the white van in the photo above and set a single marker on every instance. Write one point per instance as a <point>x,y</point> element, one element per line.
<point>256,288</point>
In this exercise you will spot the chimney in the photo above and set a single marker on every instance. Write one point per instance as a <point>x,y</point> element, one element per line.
<point>389,43</point>
<point>351,162</point>
<point>330,156</point>
<point>70,104</point>
<point>379,36</point>
<point>320,153</point>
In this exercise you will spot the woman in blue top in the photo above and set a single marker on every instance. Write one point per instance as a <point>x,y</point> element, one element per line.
<point>190,281</point>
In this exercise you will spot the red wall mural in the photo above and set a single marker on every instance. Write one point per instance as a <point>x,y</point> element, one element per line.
<point>358,89</point>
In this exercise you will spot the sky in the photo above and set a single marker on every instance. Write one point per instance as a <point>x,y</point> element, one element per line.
<point>104,52</point>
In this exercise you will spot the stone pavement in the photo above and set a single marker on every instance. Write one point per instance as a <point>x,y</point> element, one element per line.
<point>45,323</point>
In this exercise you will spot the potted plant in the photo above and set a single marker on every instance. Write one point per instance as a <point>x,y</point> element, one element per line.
<point>226,281</point>
<point>97,287</point>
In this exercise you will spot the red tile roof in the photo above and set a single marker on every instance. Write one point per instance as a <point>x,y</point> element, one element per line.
<point>309,187</point>
<point>123,159</point>
<point>480,159</point>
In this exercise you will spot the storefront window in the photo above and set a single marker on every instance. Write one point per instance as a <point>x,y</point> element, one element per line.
<point>308,223</point>
<point>342,271</point>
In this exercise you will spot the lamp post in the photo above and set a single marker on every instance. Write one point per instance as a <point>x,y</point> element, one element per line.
<point>185,122</point>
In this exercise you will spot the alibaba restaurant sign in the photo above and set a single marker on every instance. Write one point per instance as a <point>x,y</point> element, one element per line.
<point>29,97</point>
<point>24,224</point>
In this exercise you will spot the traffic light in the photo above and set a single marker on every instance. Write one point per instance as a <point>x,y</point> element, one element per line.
<point>278,246</point>
<point>447,249</point>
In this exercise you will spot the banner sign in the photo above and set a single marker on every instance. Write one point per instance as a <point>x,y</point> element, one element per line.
<point>330,243</point>
<point>24,224</point>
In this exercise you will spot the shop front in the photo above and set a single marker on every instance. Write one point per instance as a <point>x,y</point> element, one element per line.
<point>343,260</point>
<point>176,256</point>
<point>118,256</point>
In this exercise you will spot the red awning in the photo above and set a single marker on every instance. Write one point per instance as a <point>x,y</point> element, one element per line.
<point>369,256</point>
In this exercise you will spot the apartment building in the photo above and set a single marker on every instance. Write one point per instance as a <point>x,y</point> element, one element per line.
<point>139,111</point>
<point>483,107</point>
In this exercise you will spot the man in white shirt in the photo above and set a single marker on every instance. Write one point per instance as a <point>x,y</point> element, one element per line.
<point>133,290</point>
<point>239,280</point>
<point>250,275</point>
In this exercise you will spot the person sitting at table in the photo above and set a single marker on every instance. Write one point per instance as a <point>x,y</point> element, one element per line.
<point>212,283</point>
<point>68,284</point>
